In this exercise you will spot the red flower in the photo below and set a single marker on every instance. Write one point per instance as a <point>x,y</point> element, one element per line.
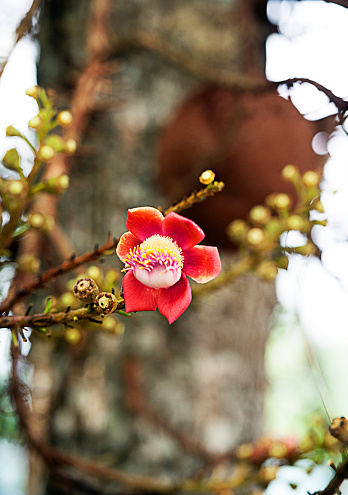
<point>159,252</point>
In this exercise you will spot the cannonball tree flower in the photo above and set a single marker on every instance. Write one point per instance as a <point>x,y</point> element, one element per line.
<point>159,254</point>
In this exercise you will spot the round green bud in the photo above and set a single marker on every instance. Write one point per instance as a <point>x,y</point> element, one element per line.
<point>15,187</point>
<point>28,263</point>
<point>36,220</point>
<point>267,270</point>
<point>256,237</point>
<point>289,173</point>
<point>65,118</point>
<point>70,146</point>
<point>281,201</point>
<point>72,336</point>
<point>295,222</point>
<point>46,153</point>
<point>35,123</point>
<point>311,179</point>
<point>33,92</point>
<point>237,229</point>
<point>259,214</point>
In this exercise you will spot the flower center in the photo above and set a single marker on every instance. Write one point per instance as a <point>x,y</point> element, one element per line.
<point>157,262</point>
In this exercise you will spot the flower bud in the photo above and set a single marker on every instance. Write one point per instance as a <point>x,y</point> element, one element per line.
<point>207,177</point>
<point>33,92</point>
<point>113,326</point>
<point>36,220</point>
<point>56,142</point>
<point>282,262</point>
<point>244,451</point>
<point>49,223</point>
<point>259,214</point>
<point>15,187</point>
<point>307,250</point>
<point>295,222</point>
<point>106,302</point>
<point>70,146</point>
<point>65,118</point>
<point>86,290</point>
<point>12,131</point>
<point>57,185</point>
<point>311,179</point>
<point>68,299</point>
<point>281,201</point>
<point>267,270</point>
<point>318,205</point>
<point>95,273</point>
<point>35,122</point>
<point>256,238</point>
<point>29,263</point>
<point>62,182</point>
<point>268,473</point>
<point>46,153</point>
<point>289,173</point>
<point>72,336</point>
<point>237,229</point>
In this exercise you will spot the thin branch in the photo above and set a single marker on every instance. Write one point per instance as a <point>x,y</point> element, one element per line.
<point>43,320</point>
<point>24,28</point>
<point>334,486</point>
<point>340,103</point>
<point>137,403</point>
<point>51,274</point>
<point>196,197</point>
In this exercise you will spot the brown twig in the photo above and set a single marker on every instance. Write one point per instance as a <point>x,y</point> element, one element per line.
<point>24,28</point>
<point>340,103</point>
<point>196,197</point>
<point>51,274</point>
<point>137,403</point>
<point>334,486</point>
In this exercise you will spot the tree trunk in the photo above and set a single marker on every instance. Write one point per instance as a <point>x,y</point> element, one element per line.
<point>204,374</point>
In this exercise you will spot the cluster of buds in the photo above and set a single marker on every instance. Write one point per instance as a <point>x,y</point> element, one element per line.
<point>45,121</point>
<point>259,237</point>
<point>85,289</point>
<point>18,189</point>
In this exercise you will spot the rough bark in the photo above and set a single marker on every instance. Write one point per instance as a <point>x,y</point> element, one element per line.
<point>204,373</point>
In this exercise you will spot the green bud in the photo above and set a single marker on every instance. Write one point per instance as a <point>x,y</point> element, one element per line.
<point>12,131</point>
<point>11,160</point>
<point>57,142</point>
<point>46,153</point>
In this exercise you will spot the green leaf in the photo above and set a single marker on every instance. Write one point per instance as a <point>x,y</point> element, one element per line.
<point>21,229</point>
<point>11,160</point>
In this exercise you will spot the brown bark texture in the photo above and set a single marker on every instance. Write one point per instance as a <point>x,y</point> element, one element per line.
<point>203,376</point>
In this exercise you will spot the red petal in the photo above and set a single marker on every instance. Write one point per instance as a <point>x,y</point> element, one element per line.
<point>127,242</point>
<point>144,222</point>
<point>185,232</point>
<point>172,302</point>
<point>138,297</point>
<point>202,263</point>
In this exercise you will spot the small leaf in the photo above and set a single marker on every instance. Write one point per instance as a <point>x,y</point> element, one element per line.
<point>48,305</point>
<point>11,160</point>
<point>21,229</point>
